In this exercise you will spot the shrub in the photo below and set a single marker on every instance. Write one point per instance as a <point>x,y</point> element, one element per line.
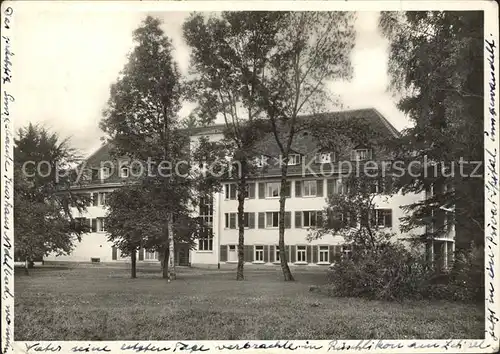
<point>392,272</point>
<point>388,272</point>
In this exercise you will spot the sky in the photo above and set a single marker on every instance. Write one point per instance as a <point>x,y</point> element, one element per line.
<point>69,58</point>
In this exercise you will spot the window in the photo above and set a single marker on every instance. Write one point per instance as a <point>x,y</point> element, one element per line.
<point>383,218</point>
<point>102,198</point>
<point>322,157</point>
<point>81,224</point>
<point>301,254</point>
<point>323,254</point>
<point>101,225</point>
<point>95,174</point>
<point>94,198</point>
<point>347,251</point>
<point>105,172</point>
<point>340,220</point>
<point>311,218</point>
<point>259,253</point>
<point>124,172</point>
<point>246,220</point>
<point>293,159</point>
<point>230,190</point>
<point>230,220</point>
<point>205,234</point>
<point>361,154</point>
<point>273,189</point>
<point>309,188</point>
<point>272,219</point>
<point>277,255</point>
<point>150,255</point>
<point>250,190</point>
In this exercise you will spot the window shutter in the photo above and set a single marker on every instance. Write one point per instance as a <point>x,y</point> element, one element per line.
<point>248,256</point>
<point>223,253</point>
<point>298,219</point>
<point>113,253</point>
<point>298,188</point>
<point>271,253</point>
<point>251,220</point>
<point>315,254</point>
<point>338,252</point>
<point>319,188</point>
<point>308,254</point>
<point>292,254</point>
<point>232,193</point>
<point>94,225</point>
<point>288,219</point>
<point>251,190</point>
<point>288,189</point>
<point>141,254</point>
<point>330,186</point>
<point>266,254</point>
<point>331,253</point>
<point>232,220</point>
<point>95,199</point>
<point>262,190</point>
<point>389,218</point>
<point>287,253</point>
<point>262,220</point>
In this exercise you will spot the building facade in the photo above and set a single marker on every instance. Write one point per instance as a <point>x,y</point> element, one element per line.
<point>306,197</point>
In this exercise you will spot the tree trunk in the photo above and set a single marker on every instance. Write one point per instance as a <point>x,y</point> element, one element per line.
<point>164,262</point>
<point>287,274</point>
<point>26,267</point>
<point>171,249</point>
<point>133,263</point>
<point>241,223</point>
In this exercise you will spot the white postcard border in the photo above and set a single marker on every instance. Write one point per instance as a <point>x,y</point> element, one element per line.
<point>12,96</point>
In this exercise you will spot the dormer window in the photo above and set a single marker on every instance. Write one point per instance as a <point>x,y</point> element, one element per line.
<point>323,157</point>
<point>260,161</point>
<point>105,172</point>
<point>361,154</point>
<point>293,159</point>
<point>124,172</point>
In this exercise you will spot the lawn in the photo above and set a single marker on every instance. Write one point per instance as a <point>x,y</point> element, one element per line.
<point>102,303</point>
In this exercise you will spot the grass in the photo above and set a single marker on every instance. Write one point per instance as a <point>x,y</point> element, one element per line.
<point>102,303</point>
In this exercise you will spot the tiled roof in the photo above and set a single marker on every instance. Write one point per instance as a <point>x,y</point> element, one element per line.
<point>371,115</point>
<point>304,143</point>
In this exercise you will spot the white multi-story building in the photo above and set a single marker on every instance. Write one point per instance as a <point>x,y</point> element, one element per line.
<point>306,194</point>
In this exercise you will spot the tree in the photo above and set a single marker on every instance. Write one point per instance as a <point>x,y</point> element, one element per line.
<point>228,54</point>
<point>352,212</point>
<point>43,199</point>
<point>134,222</point>
<point>129,221</point>
<point>141,121</point>
<point>436,65</point>
<point>311,48</point>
